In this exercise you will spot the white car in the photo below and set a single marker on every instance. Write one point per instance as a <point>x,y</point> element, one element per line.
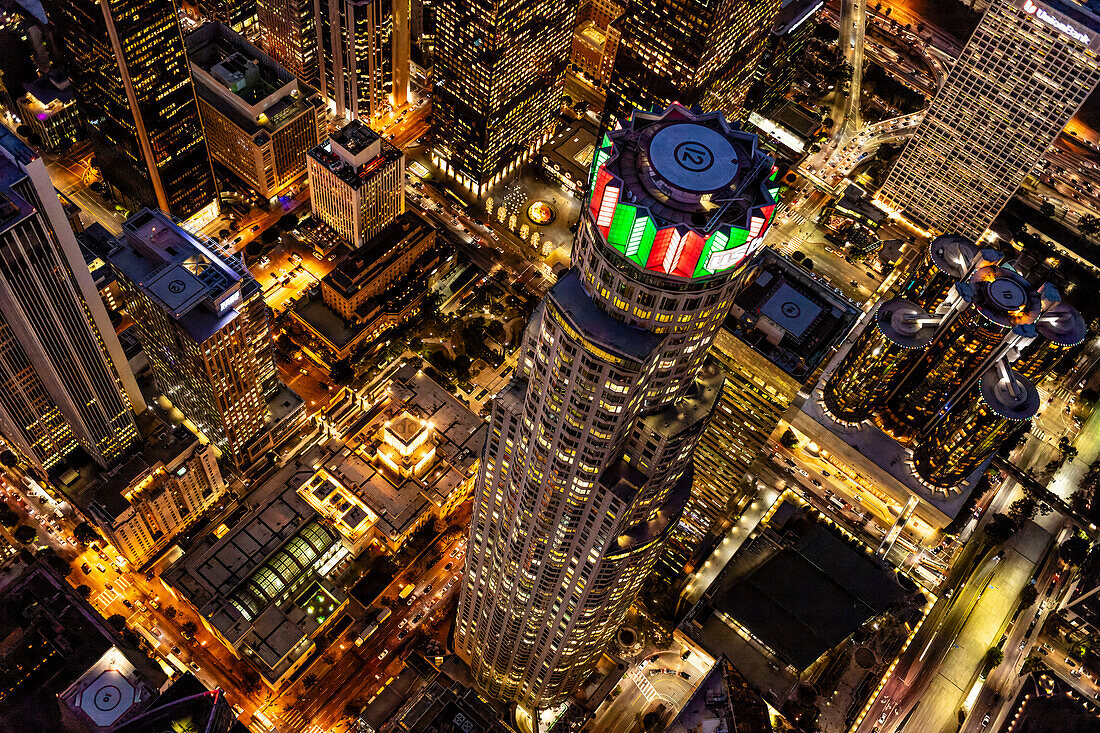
<point>384,653</point>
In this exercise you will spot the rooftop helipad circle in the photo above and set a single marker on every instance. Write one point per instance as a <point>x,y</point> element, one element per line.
<point>1007,293</point>
<point>693,157</point>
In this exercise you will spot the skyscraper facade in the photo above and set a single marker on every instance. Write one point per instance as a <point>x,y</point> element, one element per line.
<point>356,182</point>
<point>288,31</point>
<point>697,52</point>
<point>589,461</point>
<point>363,55</point>
<point>240,15</point>
<point>133,85</point>
<point>498,74</point>
<point>203,323</point>
<point>355,52</point>
<point>1026,70</point>
<point>64,381</point>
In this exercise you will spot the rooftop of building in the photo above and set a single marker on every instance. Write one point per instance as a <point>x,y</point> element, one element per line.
<point>109,690</point>
<point>186,706</point>
<point>355,153</point>
<point>377,254</point>
<point>185,275</point>
<point>1084,600</point>
<point>794,13</point>
<point>448,705</point>
<point>53,637</point>
<point>48,94</point>
<point>787,315</point>
<point>722,701</point>
<point>102,494</point>
<point>571,150</point>
<point>14,209</point>
<point>236,581</point>
<point>398,503</point>
<point>687,168</point>
<point>244,83</point>
<point>802,589</point>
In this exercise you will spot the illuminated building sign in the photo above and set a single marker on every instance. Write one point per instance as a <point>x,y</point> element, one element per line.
<point>673,249</point>
<point>1057,23</point>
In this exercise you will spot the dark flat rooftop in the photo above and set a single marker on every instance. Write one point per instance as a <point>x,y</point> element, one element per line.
<point>810,596</point>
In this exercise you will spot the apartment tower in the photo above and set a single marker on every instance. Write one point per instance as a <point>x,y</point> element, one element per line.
<point>588,465</point>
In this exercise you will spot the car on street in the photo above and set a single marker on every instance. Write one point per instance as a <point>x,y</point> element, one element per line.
<point>685,675</point>
<point>448,566</point>
<point>384,653</point>
<point>86,568</point>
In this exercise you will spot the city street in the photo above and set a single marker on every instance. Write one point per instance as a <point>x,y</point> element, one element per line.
<point>661,677</point>
<point>360,671</point>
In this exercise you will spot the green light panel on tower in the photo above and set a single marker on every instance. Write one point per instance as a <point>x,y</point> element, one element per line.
<point>641,240</point>
<point>599,159</point>
<point>621,226</point>
<point>715,243</point>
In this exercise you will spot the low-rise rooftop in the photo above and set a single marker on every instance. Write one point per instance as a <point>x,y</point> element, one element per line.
<point>787,315</point>
<point>244,83</point>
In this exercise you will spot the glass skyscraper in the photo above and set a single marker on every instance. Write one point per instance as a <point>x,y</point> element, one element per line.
<point>64,381</point>
<point>588,465</point>
<point>129,70</point>
<point>696,52</point>
<point>498,75</point>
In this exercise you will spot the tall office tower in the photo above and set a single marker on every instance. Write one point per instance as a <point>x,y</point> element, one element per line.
<point>949,258</point>
<point>878,360</point>
<point>288,31</point>
<point>589,461</point>
<point>260,120</point>
<point>498,75</point>
<point>995,304</point>
<point>203,323</point>
<point>133,86</point>
<point>363,55</point>
<point>782,326</point>
<point>966,436</point>
<point>698,52</point>
<point>240,15</point>
<point>1058,333</point>
<point>782,52</point>
<point>356,182</point>
<point>64,381</point>
<point>1024,73</point>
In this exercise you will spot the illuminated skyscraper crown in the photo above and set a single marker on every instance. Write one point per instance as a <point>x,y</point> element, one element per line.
<point>681,193</point>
